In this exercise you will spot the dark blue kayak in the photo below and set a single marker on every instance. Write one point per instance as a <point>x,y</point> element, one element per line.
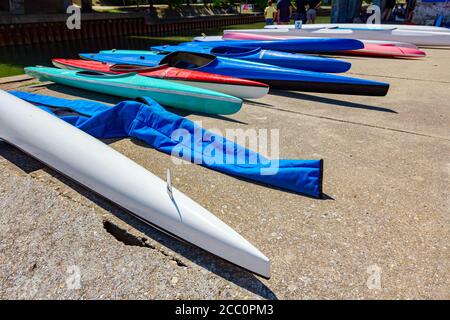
<point>310,45</point>
<point>275,77</point>
<point>276,58</point>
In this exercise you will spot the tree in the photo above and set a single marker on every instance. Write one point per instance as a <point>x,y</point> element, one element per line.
<point>86,5</point>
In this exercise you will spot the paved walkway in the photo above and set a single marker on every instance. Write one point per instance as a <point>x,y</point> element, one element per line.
<point>387,175</point>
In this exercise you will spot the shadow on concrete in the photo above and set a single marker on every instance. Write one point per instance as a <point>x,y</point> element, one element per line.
<point>434,48</point>
<point>344,56</point>
<point>20,159</point>
<point>319,99</point>
<point>198,256</point>
<point>257,103</point>
<point>323,197</point>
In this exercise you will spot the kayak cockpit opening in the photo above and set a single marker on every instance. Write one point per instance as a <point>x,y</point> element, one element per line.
<point>90,73</point>
<point>97,74</point>
<point>187,60</point>
<point>234,51</point>
<point>134,68</point>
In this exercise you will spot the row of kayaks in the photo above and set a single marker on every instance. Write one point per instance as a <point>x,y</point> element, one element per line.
<point>370,48</point>
<point>209,79</point>
<point>216,73</point>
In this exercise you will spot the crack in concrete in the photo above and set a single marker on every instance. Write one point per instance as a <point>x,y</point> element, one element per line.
<point>129,239</point>
<point>117,232</point>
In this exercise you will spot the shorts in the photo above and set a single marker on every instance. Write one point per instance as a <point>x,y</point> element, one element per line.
<point>269,22</point>
<point>311,14</point>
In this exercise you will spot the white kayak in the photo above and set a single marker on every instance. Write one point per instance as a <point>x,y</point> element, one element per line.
<point>364,26</point>
<point>417,37</point>
<point>231,37</point>
<point>107,172</point>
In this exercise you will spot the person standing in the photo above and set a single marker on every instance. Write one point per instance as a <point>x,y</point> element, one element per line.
<point>311,14</point>
<point>410,6</point>
<point>284,11</point>
<point>269,13</point>
<point>300,13</point>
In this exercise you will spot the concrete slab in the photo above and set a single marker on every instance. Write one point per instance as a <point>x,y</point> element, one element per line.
<point>386,217</point>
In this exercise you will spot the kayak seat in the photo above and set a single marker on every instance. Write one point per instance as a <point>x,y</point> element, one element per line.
<point>90,73</point>
<point>187,60</point>
<point>96,74</point>
<point>133,68</point>
<point>233,50</point>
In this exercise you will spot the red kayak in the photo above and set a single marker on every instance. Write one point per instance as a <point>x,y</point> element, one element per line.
<point>385,50</point>
<point>241,88</point>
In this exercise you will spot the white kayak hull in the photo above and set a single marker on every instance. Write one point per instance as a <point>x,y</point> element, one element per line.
<point>419,38</point>
<point>243,92</point>
<point>392,43</point>
<point>107,172</point>
<point>364,25</point>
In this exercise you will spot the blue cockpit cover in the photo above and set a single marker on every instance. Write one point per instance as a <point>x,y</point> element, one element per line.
<point>180,137</point>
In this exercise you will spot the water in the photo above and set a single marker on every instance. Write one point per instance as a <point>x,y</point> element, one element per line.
<point>14,59</point>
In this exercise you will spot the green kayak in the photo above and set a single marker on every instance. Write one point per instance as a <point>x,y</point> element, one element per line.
<point>132,85</point>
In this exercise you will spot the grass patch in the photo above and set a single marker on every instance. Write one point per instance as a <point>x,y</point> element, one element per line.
<point>7,70</point>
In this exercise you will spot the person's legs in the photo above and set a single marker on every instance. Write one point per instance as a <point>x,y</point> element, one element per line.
<point>269,22</point>
<point>311,16</point>
<point>389,14</point>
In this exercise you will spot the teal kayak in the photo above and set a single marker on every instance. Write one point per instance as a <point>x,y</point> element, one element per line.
<point>132,85</point>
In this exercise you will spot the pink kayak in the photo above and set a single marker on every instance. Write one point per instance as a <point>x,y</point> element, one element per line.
<point>371,49</point>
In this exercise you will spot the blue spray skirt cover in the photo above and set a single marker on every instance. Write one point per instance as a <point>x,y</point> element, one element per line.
<point>180,137</point>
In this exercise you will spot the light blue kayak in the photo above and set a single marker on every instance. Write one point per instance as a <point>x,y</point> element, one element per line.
<point>132,85</point>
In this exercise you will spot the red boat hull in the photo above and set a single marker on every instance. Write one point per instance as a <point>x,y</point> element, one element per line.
<point>162,72</point>
<point>241,88</point>
<point>370,49</point>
